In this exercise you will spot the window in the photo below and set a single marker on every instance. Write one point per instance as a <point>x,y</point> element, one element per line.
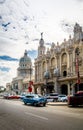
<point>64,73</point>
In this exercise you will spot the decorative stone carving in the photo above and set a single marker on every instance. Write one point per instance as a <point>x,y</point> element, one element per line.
<point>56,72</point>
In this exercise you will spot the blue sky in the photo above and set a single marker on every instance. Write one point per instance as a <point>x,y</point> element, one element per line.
<point>22,21</point>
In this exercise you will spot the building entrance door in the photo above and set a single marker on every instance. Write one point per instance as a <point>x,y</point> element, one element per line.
<point>64,89</point>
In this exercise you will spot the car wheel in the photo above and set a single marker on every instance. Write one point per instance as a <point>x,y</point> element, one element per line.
<point>44,104</point>
<point>25,103</point>
<point>41,104</point>
<point>35,104</point>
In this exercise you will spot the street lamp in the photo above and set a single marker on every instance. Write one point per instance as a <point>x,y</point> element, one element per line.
<point>30,82</point>
<point>30,72</point>
<point>77,67</point>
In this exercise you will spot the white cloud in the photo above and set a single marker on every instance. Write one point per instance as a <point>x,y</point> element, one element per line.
<point>5,76</point>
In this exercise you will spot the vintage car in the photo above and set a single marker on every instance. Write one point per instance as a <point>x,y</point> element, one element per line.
<point>11,96</point>
<point>35,99</point>
<point>76,99</point>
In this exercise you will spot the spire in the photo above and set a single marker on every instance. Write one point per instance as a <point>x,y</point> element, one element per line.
<point>41,48</point>
<point>41,42</point>
<point>42,35</point>
<point>25,53</point>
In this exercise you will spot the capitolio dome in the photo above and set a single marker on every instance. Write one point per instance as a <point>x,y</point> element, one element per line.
<point>25,59</point>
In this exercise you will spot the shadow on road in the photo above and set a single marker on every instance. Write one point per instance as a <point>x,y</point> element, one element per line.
<point>80,106</point>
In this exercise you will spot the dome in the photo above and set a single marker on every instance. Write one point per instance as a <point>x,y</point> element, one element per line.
<point>25,59</point>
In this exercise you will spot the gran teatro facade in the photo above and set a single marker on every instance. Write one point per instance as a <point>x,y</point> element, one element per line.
<point>60,68</point>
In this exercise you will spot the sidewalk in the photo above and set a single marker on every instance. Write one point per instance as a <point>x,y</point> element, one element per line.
<point>57,103</point>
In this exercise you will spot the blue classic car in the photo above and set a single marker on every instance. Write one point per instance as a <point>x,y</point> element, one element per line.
<point>35,99</point>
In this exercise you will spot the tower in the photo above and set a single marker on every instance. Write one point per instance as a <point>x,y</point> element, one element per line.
<point>78,34</point>
<point>41,48</point>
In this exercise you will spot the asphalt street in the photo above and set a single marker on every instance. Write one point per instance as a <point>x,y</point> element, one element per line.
<point>14,115</point>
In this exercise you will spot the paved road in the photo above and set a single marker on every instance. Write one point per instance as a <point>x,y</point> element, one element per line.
<point>14,115</point>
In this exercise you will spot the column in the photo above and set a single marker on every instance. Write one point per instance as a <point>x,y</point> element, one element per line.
<point>56,86</point>
<point>69,89</point>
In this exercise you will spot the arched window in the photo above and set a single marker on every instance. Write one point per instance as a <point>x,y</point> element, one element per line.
<point>64,58</point>
<point>53,62</point>
<point>64,73</point>
<point>44,66</point>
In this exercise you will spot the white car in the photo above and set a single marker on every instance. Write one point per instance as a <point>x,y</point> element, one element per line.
<point>52,97</point>
<point>62,98</point>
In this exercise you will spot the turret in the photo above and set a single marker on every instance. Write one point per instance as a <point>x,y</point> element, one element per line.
<point>78,34</point>
<point>41,48</point>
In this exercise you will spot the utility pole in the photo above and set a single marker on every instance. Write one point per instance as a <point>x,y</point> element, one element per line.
<point>30,82</point>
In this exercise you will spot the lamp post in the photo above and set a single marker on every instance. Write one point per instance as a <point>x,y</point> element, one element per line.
<point>30,72</point>
<point>77,67</point>
<point>30,82</point>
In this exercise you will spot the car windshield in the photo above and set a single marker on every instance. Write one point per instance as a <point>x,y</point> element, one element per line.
<point>30,96</point>
<point>53,94</point>
<point>36,96</point>
<point>23,94</point>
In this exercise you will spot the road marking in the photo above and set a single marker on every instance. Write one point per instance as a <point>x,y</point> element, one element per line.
<point>41,117</point>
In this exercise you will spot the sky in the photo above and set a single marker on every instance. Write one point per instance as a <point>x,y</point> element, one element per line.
<point>21,23</point>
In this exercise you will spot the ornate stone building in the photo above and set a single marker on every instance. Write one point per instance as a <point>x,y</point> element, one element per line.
<point>24,76</point>
<point>60,68</point>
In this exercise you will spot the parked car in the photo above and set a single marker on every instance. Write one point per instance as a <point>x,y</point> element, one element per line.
<point>11,96</point>
<point>62,98</point>
<point>35,99</point>
<point>52,97</point>
<point>1,94</point>
<point>5,96</point>
<point>76,99</point>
